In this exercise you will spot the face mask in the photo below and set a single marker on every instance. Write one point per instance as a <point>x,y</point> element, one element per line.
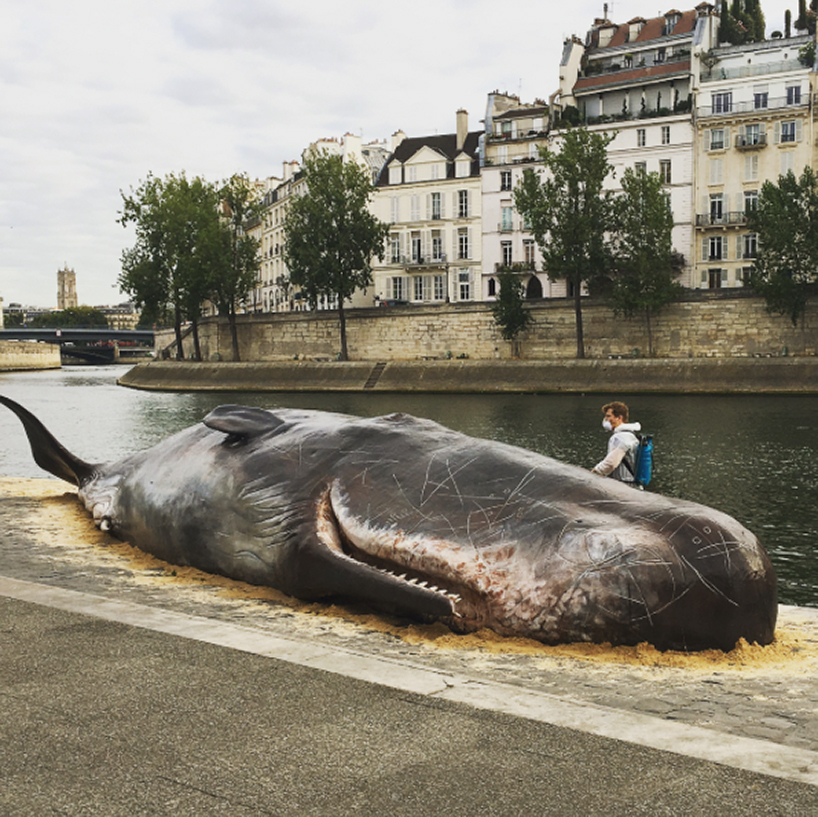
<point>606,424</point>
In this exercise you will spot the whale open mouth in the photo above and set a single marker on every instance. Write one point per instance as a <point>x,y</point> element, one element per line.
<point>411,572</point>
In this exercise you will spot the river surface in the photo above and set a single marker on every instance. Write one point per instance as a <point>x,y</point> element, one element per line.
<point>753,457</point>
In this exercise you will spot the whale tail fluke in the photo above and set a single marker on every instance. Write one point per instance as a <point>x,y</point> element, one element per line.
<point>49,454</point>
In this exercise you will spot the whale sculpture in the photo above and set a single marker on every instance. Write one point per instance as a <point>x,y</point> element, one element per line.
<point>415,519</point>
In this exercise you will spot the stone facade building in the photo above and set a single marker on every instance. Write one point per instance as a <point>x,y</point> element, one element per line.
<point>754,121</point>
<point>429,191</point>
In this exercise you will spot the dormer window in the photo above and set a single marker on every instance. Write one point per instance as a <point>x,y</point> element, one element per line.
<point>660,55</point>
<point>671,19</point>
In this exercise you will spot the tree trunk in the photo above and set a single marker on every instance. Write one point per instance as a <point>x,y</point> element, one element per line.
<point>177,326</point>
<point>197,349</point>
<point>578,313</point>
<point>650,332</point>
<point>234,333</point>
<point>343,320</point>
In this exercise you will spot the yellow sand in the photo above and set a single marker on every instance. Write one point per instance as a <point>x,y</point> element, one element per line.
<point>56,519</point>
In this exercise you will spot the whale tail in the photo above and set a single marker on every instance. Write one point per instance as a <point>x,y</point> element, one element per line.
<point>48,453</point>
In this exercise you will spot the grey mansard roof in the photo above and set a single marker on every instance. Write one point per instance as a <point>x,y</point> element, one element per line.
<point>444,144</point>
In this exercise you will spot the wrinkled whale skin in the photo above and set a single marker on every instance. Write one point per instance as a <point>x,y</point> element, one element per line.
<point>415,519</point>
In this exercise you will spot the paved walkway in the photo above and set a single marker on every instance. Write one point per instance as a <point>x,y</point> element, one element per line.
<point>130,690</point>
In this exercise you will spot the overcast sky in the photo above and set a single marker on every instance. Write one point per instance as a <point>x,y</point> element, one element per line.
<point>95,95</point>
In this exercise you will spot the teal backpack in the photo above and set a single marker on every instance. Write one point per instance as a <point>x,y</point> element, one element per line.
<point>642,468</point>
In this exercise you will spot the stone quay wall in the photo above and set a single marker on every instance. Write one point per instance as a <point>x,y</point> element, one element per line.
<point>23,355</point>
<point>719,325</point>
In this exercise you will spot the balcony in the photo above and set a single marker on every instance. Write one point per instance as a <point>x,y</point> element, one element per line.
<point>517,266</point>
<point>733,218</point>
<point>723,108</point>
<point>427,260</point>
<point>751,141</point>
<point>716,74</point>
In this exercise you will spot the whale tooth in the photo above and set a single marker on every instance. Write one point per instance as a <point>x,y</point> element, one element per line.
<point>105,524</point>
<point>423,584</point>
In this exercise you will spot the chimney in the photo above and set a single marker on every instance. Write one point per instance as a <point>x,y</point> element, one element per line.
<point>462,128</point>
<point>397,137</point>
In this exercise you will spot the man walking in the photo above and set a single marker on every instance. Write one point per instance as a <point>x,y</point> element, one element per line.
<point>622,444</point>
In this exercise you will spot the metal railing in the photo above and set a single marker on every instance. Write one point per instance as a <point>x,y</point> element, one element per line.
<point>735,217</point>
<point>724,107</point>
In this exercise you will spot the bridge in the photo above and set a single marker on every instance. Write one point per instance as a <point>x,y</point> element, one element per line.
<point>143,337</point>
<point>106,345</point>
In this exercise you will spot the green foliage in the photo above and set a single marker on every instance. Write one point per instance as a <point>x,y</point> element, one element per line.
<point>742,22</point>
<point>235,269</point>
<point>644,275</point>
<point>177,241</point>
<point>509,310</point>
<point>785,272</point>
<point>806,55</point>
<point>13,320</point>
<point>570,214</point>
<point>330,235</point>
<point>76,317</point>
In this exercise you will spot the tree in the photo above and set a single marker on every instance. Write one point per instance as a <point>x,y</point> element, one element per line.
<point>569,213</point>
<point>330,235</point>
<point>176,223</point>
<point>785,271</point>
<point>84,317</point>
<point>508,310</point>
<point>643,280</point>
<point>235,269</point>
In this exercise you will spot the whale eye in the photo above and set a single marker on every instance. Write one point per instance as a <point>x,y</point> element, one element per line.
<point>697,540</point>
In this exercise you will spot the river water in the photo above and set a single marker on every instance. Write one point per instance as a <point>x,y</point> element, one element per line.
<point>753,457</point>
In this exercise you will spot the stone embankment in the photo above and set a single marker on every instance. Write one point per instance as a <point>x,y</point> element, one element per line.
<point>669,376</point>
<point>23,356</point>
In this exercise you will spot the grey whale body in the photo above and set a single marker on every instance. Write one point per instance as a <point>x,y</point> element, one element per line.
<point>412,518</point>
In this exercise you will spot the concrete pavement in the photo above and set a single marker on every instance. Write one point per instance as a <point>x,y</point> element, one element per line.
<point>129,690</point>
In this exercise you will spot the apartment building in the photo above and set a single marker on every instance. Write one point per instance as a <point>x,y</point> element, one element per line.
<point>754,121</point>
<point>514,133</point>
<point>429,191</point>
<point>638,81</point>
<point>274,291</point>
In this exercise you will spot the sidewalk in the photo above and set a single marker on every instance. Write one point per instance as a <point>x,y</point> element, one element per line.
<point>129,690</point>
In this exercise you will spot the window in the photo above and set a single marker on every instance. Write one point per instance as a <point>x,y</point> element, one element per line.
<point>717,171</point>
<point>722,102</point>
<point>421,287</point>
<point>641,168</point>
<point>412,174</point>
<point>528,252</point>
<point>505,180</point>
<point>416,256</point>
<point>492,288</point>
<point>435,172</point>
<point>750,201</point>
<point>505,223</point>
<point>794,95</point>
<point>640,137</point>
<point>717,139</point>
<point>462,168</point>
<point>665,134</point>
<point>664,170</point>
<point>439,287</point>
<point>505,247</point>
<point>394,243</point>
<point>415,208</point>
<point>463,203</point>
<point>752,135</point>
<point>751,168</point>
<point>787,162</point>
<point>464,281</point>
<point>715,248</point>
<point>760,99</point>
<point>716,278</point>
<point>437,246</point>
<point>660,55</point>
<point>502,154</point>
<point>749,245</point>
<point>716,208</point>
<point>462,243</point>
<point>395,209</point>
<point>436,212</point>
<point>395,174</point>
<point>397,287</point>
<point>788,131</point>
